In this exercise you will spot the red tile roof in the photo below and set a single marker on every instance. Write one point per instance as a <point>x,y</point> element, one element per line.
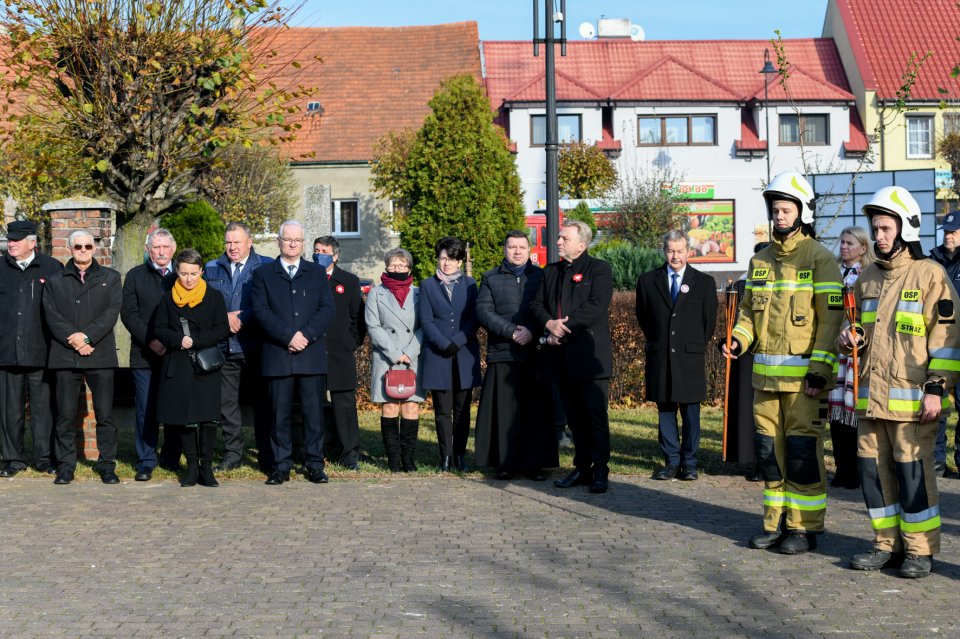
<point>371,80</point>
<point>714,71</point>
<point>884,33</point>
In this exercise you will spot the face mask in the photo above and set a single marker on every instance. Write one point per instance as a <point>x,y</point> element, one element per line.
<point>323,259</point>
<point>398,276</point>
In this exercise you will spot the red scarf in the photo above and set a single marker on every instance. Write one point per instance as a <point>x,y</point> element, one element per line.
<point>399,288</point>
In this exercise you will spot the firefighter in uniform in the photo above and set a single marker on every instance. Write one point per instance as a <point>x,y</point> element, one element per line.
<point>907,326</point>
<point>791,315</point>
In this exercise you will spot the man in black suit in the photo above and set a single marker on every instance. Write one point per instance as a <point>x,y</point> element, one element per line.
<point>293,305</point>
<point>143,287</point>
<point>343,339</point>
<point>677,312</point>
<point>80,306</point>
<point>573,307</point>
<point>23,351</point>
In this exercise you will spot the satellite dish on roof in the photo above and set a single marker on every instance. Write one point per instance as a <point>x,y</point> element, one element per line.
<point>587,32</point>
<point>636,33</point>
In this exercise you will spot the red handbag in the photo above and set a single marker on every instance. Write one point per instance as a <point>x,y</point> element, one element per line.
<point>400,383</point>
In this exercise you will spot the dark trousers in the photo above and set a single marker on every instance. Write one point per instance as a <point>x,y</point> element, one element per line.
<point>69,386</point>
<point>342,427</point>
<point>451,411</point>
<point>231,419</point>
<point>20,386</point>
<point>585,403</point>
<point>311,388</point>
<point>146,432</point>
<point>679,447</point>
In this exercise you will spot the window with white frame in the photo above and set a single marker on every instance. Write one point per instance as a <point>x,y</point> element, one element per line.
<point>568,129</point>
<point>919,137</point>
<point>814,130</point>
<point>346,217</point>
<point>677,130</point>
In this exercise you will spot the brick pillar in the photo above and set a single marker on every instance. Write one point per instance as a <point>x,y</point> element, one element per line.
<point>100,220</point>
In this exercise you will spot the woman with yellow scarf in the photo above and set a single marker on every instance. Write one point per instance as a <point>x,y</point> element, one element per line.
<point>190,317</point>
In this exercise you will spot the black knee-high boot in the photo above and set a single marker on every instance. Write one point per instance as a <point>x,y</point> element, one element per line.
<point>389,430</point>
<point>188,441</point>
<point>208,441</point>
<point>408,443</point>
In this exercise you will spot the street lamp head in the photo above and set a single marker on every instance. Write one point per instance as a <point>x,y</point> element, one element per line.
<point>767,65</point>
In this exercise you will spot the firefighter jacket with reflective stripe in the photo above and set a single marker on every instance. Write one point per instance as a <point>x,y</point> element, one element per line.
<point>907,310</point>
<point>791,313</point>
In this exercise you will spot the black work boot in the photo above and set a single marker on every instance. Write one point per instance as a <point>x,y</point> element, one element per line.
<point>797,543</point>
<point>876,559</point>
<point>916,566</point>
<point>764,540</point>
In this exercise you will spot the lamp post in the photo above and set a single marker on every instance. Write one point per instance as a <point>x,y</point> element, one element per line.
<point>551,143</point>
<point>767,70</point>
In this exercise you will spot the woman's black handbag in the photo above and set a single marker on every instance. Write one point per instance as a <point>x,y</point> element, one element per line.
<point>205,360</point>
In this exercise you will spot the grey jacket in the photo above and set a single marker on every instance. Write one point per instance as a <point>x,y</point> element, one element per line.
<point>393,331</point>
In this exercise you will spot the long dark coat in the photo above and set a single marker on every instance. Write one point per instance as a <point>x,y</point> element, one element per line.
<point>282,307</point>
<point>142,290</point>
<point>24,340</point>
<point>677,335</point>
<point>444,321</point>
<point>90,307</point>
<point>581,290</point>
<point>347,331</point>
<point>185,396</point>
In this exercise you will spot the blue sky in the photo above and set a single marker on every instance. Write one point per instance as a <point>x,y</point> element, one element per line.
<point>513,19</point>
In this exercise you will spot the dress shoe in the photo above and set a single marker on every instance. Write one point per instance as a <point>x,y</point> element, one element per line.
<point>64,476</point>
<point>599,486</point>
<point>764,540</point>
<point>940,468</point>
<point>576,478</point>
<point>9,471</point>
<point>444,464</point>
<point>144,475</point>
<point>754,474</point>
<point>916,566</point>
<point>109,477</point>
<point>206,477</point>
<point>460,463</point>
<point>797,543</point>
<point>876,559</point>
<point>689,474</point>
<point>536,474</point>
<point>225,467</point>
<point>277,477</point>
<point>504,475</point>
<point>667,472</point>
<point>317,476</point>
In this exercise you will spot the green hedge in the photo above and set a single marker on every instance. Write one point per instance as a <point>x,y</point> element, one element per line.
<point>627,261</point>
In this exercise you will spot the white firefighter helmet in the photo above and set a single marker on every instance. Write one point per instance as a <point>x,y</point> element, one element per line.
<point>792,186</point>
<point>897,202</point>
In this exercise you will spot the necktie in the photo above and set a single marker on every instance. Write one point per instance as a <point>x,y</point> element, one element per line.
<point>292,269</point>
<point>22,265</point>
<point>82,275</point>
<point>674,287</point>
<point>164,271</point>
<point>236,269</point>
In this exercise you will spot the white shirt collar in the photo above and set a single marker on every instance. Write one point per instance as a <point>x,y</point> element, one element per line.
<point>27,260</point>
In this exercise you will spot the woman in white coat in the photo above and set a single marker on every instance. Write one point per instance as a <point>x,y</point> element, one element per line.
<point>395,338</point>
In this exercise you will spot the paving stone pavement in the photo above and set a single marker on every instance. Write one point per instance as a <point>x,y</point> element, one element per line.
<point>445,557</point>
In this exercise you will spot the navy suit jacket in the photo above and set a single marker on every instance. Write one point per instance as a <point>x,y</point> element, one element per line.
<point>445,321</point>
<point>284,306</point>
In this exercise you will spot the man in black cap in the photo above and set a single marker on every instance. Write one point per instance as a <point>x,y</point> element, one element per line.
<point>949,258</point>
<point>23,351</point>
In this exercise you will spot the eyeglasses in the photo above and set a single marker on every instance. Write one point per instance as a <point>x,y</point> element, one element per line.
<point>292,240</point>
<point>447,259</point>
<point>83,247</point>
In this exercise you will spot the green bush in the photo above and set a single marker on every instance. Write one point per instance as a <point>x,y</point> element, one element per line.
<point>627,261</point>
<point>582,213</point>
<point>196,225</point>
